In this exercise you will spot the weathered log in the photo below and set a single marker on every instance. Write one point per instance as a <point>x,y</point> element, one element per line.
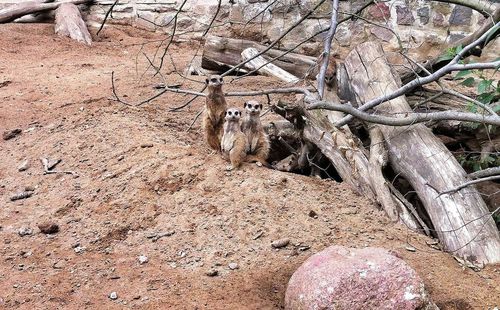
<point>266,68</point>
<point>15,11</point>
<point>461,219</point>
<point>221,53</point>
<point>69,23</point>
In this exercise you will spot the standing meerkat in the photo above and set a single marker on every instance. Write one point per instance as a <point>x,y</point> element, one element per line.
<point>215,107</point>
<point>257,140</point>
<point>233,143</point>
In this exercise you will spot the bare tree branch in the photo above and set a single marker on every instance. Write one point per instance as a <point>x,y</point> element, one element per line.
<point>419,81</point>
<point>469,183</point>
<point>408,120</point>
<point>326,51</point>
<point>485,173</point>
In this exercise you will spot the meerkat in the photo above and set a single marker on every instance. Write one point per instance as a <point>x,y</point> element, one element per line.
<point>233,143</point>
<point>257,147</point>
<point>215,107</point>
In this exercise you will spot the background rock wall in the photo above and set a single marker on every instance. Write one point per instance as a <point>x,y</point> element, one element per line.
<point>401,25</point>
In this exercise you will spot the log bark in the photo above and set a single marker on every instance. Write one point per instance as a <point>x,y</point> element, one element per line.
<point>69,23</point>
<point>220,53</point>
<point>266,68</point>
<point>15,11</point>
<point>461,219</point>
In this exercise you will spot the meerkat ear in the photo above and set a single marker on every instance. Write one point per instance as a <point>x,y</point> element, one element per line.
<point>206,80</point>
<point>260,106</point>
<point>221,79</point>
<point>244,105</point>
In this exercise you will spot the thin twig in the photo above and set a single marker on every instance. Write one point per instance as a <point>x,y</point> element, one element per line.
<point>328,45</point>
<point>106,17</point>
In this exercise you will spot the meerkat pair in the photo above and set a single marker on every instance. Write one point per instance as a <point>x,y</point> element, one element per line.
<point>246,142</point>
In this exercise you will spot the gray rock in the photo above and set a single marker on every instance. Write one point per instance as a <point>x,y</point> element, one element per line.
<point>143,259</point>
<point>460,15</point>
<point>404,15</point>
<point>25,231</point>
<point>233,266</point>
<point>281,243</point>
<point>423,14</point>
<point>23,166</point>
<point>212,272</point>
<point>113,296</point>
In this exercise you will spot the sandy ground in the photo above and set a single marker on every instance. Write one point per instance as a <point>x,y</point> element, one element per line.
<point>141,175</point>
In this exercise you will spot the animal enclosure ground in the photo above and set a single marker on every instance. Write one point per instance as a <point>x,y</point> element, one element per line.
<point>148,187</point>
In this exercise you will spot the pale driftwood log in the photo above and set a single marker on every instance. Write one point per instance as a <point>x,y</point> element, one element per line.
<point>461,219</point>
<point>69,23</point>
<point>265,68</point>
<point>219,53</point>
<point>15,11</point>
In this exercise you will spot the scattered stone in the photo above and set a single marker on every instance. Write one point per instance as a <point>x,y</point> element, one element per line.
<point>52,163</point>
<point>25,231</point>
<point>29,188</point>
<point>146,145</point>
<point>379,12</point>
<point>143,259</point>
<point>156,236</point>
<point>21,195</point>
<point>313,214</point>
<point>347,278</point>
<point>23,166</point>
<point>460,16</point>
<point>438,20</point>
<point>10,134</point>
<point>59,264</point>
<point>212,272</point>
<point>49,228</point>
<point>79,249</point>
<point>136,297</point>
<point>423,14</point>
<point>233,266</point>
<point>258,235</point>
<point>113,296</point>
<point>281,243</point>
<point>410,248</point>
<point>404,15</point>
<point>382,33</point>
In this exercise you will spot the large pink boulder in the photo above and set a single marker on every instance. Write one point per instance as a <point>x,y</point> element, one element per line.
<point>345,278</point>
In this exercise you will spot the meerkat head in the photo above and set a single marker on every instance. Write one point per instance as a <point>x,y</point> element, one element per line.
<point>214,81</point>
<point>233,114</point>
<point>252,107</point>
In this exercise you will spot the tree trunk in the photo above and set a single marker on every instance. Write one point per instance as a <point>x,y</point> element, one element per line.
<point>220,53</point>
<point>69,23</point>
<point>461,219</point>
<point>15,11</point>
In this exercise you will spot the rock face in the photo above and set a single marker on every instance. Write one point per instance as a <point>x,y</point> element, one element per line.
<point>345,278</point>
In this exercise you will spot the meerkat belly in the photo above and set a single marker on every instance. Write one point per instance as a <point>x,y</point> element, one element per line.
<point>227,141</point>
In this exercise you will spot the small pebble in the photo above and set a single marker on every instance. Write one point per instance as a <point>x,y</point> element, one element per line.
<point>233,266</point>
<point>9,134</point>
<point>21,195</point>
<point>113,296</point>
<point>145,145</point>
<point>410,248</point>
<point>49,228</point>
<point>281,243</point>
<point>143,259</point>
<point>25,231</point>
<point>212,272</point>
<point>79,249</point>
<point>25,165</point>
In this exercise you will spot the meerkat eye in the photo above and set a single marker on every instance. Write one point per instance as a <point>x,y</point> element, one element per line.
<point>229,113</point>
<point>236,113</point>
<point>249,105</point>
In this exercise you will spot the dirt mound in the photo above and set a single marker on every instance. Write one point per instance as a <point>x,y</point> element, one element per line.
<point>146,186</point>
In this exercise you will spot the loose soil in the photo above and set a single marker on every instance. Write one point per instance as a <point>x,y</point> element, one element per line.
<point>147,186</point>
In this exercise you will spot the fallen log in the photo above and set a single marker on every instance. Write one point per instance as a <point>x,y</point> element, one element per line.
<point>266,68</point>
<point>16,11</point>
<point>461,219</point>
<point>220,53</point>
<point>69,23</point>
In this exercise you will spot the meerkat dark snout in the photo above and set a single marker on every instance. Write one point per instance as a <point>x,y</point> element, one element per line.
<point>215,107</point>
<point>233,144</point>
<point>257,141</point>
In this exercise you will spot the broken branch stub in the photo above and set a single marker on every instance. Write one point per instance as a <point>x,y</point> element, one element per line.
<point>69,23</point>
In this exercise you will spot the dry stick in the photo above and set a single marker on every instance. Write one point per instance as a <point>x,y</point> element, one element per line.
<point>464,185</point>
<point>46,170</point>
<point>327,48</point>
<point>419,81</point>
<point>194,120</point>
<point>114,91</point>
<point>106,17</point>
<point>277,40</point>
<point>484,173</point>
<point>414,118</point>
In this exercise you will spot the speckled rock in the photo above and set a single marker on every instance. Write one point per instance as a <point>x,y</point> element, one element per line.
<point>404,15</point>
<point>346,278</point>
<point>460,15</point>
<point>379,11</point>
